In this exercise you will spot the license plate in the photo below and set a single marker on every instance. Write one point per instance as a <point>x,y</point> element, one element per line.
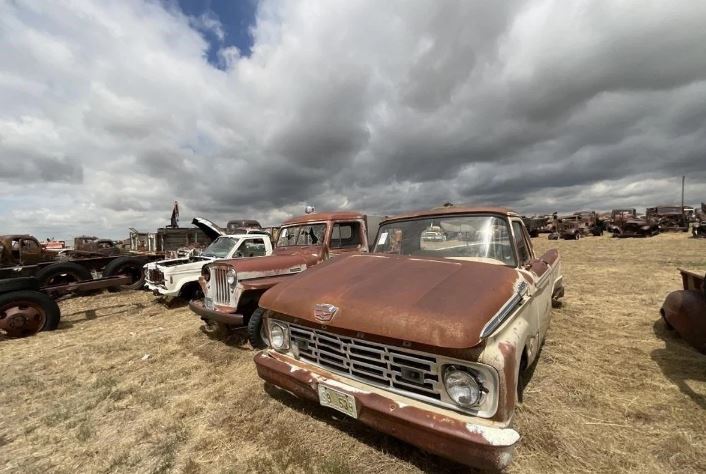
<point>208,303</point>
<point>340,401</point>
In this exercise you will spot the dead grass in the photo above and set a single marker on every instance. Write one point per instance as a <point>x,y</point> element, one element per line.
<point>126,385</point>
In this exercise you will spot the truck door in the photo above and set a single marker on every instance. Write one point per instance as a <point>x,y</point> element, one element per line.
<point>346,237</point>
<point>30,252</point>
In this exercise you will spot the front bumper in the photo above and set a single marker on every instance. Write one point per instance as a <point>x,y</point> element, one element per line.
<point>231,319</point>
<point>159,289</point>
<point>443,432</point>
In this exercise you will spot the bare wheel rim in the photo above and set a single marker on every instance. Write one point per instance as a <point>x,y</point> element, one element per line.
<point>22,318</point>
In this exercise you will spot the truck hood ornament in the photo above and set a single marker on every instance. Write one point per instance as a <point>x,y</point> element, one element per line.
<point>324,312</point>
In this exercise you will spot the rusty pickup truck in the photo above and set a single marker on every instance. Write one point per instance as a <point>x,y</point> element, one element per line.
<point>232,287</point>
<point>427,341</point>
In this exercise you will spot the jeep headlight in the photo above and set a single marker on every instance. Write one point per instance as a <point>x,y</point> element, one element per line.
<point>231,277</point>
<point>279,336</point>
<point>462,387</point>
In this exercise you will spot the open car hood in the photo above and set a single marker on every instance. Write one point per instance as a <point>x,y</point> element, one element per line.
<point>209,228</point>
<point>436,302</point>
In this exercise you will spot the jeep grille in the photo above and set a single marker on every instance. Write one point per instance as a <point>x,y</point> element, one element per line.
<point>222,291</point>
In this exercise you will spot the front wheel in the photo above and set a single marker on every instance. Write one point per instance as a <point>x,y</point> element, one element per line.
<point>256,330</point>
<point>24,313</point>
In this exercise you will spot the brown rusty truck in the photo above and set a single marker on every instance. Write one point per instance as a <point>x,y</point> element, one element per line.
<point>428,341</point>
<point>232,287</point>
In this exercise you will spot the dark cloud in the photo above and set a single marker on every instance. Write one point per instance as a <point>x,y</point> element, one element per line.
<point>537,105</point>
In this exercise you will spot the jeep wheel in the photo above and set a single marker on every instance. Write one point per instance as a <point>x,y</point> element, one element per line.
<point>577,236</point>
<point>256,330</point>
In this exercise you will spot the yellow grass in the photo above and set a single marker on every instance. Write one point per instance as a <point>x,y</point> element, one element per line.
<point>127,385</point>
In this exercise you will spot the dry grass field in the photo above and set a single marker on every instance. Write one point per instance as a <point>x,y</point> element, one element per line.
<point>127,385</point>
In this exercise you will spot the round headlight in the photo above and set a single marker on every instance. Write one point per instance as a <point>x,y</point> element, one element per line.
<point>231,278</point>
<point>462,387</point>
<point>278,337</point>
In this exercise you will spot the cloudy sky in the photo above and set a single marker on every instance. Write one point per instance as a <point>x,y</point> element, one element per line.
<point>110,110</point>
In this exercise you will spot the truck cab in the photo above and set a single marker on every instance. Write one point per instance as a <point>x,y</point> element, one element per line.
<point>232,288</point>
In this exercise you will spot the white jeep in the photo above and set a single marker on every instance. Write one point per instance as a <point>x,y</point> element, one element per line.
<point>179,276</point>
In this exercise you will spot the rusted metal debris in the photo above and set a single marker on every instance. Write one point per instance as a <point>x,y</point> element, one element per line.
<point>425,338</point>
<point>685,310</point>
<point>698,229</point>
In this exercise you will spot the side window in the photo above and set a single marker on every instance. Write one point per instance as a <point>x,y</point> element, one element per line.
<point>522,250</point>
<point>345,235</point>
<point>30,246</point>
<point>253,248</point>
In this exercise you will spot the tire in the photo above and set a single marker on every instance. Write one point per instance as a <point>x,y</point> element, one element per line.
<point>63,272</point>
<point>35,310</point>
<point>577,236</point>
<point>255,330</point>
<point>130,266</point>
<point>17,284</point>
<point>216,330</point>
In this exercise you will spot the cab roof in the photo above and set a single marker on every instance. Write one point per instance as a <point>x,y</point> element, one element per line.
<point>452,210</point>
<point>324,216</point>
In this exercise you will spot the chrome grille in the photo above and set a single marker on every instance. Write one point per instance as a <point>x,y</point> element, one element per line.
<point>155,276</point>
<point>378,364</point>
<point>220,288</point>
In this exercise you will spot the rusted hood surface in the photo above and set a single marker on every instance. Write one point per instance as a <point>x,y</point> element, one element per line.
<point>437,302</point>
<point>280,262</point>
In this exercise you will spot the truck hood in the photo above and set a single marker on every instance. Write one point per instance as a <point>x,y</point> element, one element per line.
<point>276,264</point>
<point>209,228</point>
<point>436,302</point>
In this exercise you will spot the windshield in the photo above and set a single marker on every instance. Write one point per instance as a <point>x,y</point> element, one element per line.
<point>219,248</point>
<point>308,234</point>
<point>477,238</point>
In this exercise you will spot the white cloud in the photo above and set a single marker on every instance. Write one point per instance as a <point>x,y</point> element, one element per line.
<point>111,111</point>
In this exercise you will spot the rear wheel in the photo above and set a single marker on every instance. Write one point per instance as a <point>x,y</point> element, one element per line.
<point>24,313</point>
<point>62,273</point>
<point>127,266</point>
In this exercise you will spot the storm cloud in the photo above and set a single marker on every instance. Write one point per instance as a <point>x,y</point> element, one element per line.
<point>111,110</point>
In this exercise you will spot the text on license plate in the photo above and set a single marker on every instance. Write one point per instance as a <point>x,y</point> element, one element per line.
<point>208,303</point>
<point>340,401</point>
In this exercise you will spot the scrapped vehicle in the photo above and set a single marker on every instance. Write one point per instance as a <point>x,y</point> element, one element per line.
<point>593,222</point>
<point>242,226</point>
<point>425,341</point>
<point>685,310</point>
<point>434,234</point>
<point>618,217</point>
<point>571,227</point>
<point>232,288</point>
<point>179,277</point>
<point>538,225</point>
<point>698,229</point>
<point>27,308</point>
<point>636,227</point>
<point>669,218</point>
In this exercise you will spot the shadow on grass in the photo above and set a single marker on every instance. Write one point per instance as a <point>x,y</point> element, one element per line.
<point>91,314</point>
<point>680,362</point>
<point>426,462</point>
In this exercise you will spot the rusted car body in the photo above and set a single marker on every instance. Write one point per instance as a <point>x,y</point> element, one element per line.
<point>571,227</point>
<point>698,229</point>
<point>685,310</point>
<point>422,340</point>
<point>538,225</point>
<point>669,218</point>
<point>232,287</point>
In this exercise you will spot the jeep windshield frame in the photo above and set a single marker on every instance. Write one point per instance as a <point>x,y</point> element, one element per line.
<point>302,235</point>
<point>220,248</point>
<point>475,237</point>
